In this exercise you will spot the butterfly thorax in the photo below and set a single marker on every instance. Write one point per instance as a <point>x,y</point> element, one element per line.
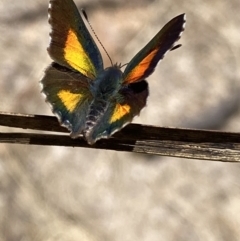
<point>107,84</point>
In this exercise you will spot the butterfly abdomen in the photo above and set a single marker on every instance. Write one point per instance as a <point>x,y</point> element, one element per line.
<point>96,110</point>
<point>95,115</point>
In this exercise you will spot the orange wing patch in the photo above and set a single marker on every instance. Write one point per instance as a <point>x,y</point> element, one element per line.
<point>140,69</point>
<point>76,56</point>
<point>119,112</point>
<point>70,100</point>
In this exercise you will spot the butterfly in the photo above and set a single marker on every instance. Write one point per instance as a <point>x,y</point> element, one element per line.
<point>88,99</point>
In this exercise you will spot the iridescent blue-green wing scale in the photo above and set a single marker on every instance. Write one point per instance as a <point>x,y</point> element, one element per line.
<point>69,96</point>
<point>121,111</point>
<point>71,44</point>
<point>145,61</point>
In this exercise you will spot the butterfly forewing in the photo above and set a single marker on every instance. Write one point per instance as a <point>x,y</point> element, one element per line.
<point>145,61</point>
<point>71,44</point>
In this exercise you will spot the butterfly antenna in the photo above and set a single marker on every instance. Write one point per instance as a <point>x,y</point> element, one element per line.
<point>123,65</point>
<point>86,17</point>
<point>175,47</point>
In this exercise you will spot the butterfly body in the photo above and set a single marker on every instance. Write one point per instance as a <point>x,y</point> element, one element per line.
<point>105,90</point>
<point>88,99</point>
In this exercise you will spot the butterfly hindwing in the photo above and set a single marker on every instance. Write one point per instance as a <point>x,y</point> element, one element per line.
<point>71,44</point>
<point>69,96</point>
<point>129,102</point>
<point>145,61</point>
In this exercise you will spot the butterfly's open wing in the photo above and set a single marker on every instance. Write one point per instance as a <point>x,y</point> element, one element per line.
<point>130,101</point>
<point>145,61</point>
<point>69,96</point>
<point>71,44</point>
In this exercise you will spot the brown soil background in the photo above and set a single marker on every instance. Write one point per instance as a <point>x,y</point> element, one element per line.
<point>57,193</point>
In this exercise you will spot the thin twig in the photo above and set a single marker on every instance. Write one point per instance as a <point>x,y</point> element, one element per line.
<point>187,143</point>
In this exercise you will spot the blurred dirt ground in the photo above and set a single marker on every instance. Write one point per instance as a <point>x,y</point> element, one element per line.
<point>57,193</point>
